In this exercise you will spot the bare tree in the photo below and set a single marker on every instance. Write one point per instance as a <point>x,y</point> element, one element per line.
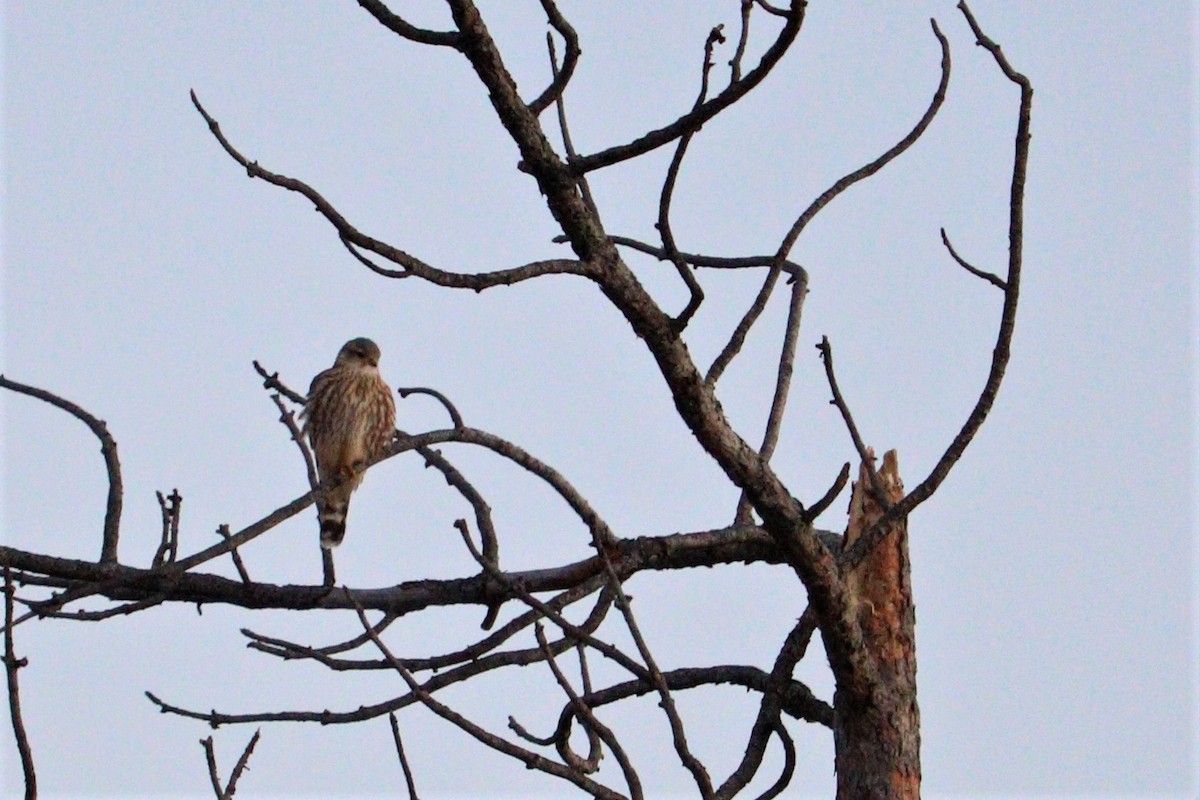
<point>856,583</point>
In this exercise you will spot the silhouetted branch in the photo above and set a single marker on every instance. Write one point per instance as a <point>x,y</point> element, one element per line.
<point>408,776</point>
<point>712,262</point>
<point>987,276</point>
<point>839,483</point>
<point>11,665</point>
<point>596,730</point>
<point>108,449</point>
<point>529,758</point>
<point>793,650</point>
<point>733,347</point>
<point>1003,348</point>
<point>223,532</point>
<point>171,507</point>
<point>351,235</point>
<point>694,119</point>
<point>211,757</point>
<point>561,77</point>
<point>455,418</point>
<point>796,699</point>
<point>271,381</point>
<point>400,27</point>
<point>864,455</point>
<point>735,63</point>
<point>696,294</point>
<point>789,763</point>
<point>783,385</point>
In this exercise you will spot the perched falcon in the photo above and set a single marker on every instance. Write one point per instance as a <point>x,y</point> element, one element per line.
<point>350,418</point>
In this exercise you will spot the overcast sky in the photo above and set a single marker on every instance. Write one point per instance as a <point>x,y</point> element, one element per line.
<point>1055,573</point>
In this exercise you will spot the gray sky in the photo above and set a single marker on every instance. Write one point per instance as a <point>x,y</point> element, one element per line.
<point>1055,574</point>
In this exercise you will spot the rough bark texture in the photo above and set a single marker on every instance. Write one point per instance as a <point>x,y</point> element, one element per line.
<point>877,742</point>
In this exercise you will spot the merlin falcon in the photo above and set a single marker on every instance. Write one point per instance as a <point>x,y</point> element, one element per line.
<point>350,420</point>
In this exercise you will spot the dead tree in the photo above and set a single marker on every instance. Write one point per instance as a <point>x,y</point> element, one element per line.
<point>856,584</point>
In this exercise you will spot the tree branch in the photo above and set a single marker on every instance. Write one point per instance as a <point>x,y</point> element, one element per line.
<point>112,464</point>
<point>694,119</point>
<point>529,758</point>
<point>11,665</point>
<point>401,28</point>
<point>409,263</point>
<point>978,273</point>
<point>561,77</point>
<point>1003,348</point>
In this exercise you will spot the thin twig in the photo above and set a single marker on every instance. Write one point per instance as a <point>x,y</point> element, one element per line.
<point>288,418</point>
<point>585,190</point>
<point>795,271</point>
<point>223,532</point>
<point>789,763</point>
<point>839,483</point>
<point>168,548</point>
<point>112,463</point>
<point>210,756</point>
<point>994,280</point>
<point>271,381</point>
<point>560,78</point>
<point>594,727</point>
<point>483,517</point>
<point>401,27</point>
<point>11,665</point>
<point>455,417</point>
<point>695,293</point>
<point>240,766</point>
<point>408,776</point>
<point>735,63</point>
<point>666,701</point>
<point>783,383</point>
<point>864,454</point>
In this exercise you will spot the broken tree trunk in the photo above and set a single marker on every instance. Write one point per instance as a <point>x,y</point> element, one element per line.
<point>877,737</point>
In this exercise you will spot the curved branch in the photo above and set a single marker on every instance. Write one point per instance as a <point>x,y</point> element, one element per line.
<point>789,764</point>
<point>410,264</point>
<point>867,170</point>
<point>978,273</point>
<point>1012,287</point>
<point>455,418</point>
<point>562,76</point>
<point>796,699</point>
<point>696,294</point>
<point>736,341</point>
<point>400,27</point>
<point>794,648</point>
<point>694,119</point>
<point>108,449</point>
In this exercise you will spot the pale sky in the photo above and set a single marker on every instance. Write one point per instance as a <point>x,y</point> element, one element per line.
<point>1055,573</point>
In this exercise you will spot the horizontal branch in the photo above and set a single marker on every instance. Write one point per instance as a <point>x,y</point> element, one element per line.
<point>745,544</point>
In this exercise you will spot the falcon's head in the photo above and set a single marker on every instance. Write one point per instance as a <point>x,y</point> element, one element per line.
<point>360,352</point>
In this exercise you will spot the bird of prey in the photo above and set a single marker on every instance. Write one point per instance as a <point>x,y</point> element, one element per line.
<point>350,419</point>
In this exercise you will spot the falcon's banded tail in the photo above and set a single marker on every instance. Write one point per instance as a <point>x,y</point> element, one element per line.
<point>333,523</point>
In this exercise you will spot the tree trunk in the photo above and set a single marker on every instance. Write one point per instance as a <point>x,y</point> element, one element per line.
<point>877,739</point>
